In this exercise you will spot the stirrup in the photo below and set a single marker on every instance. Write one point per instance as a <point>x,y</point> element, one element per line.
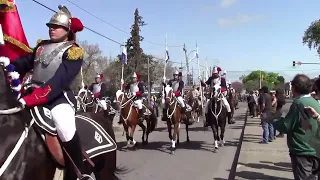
<point>86,177</point>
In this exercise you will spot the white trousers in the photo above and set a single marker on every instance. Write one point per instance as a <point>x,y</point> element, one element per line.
<point>224,101</point>
<point>63,116</point>
<point>138,102</point>
<point>102,103</point>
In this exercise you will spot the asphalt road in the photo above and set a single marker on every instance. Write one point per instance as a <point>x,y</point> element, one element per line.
<point>193,160</point>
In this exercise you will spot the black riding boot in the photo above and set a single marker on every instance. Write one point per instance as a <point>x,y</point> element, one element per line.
<point>73,148</point>
<point>230,119</point>
<point>140,113</point>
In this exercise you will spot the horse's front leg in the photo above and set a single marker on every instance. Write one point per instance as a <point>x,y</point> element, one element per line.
<point>187,131</point>
<point>169,129</point>
<point>132,129</point>
<point>143,132</point>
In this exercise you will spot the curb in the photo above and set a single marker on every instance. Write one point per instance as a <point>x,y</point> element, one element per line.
<point>233,169</point>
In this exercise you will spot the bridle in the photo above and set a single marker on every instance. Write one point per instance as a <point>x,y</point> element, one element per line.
<point>172,100</point>
<point>123,102</point>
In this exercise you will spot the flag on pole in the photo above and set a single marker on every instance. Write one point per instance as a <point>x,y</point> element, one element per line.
<point>167,52</point>
<point>124,55</point>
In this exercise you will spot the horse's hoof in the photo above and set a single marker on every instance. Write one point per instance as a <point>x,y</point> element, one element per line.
<point>188,140</point>
<point>172,152</point>
<point>216,148</point>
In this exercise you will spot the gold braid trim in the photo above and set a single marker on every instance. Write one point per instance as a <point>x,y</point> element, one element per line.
<point>17,43</point>
<point>8,9</point>
<point>6,2</point>
<point>75,53</point>
<point>39,41</point>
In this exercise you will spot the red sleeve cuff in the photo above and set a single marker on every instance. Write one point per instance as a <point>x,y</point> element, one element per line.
<point>39,96</point>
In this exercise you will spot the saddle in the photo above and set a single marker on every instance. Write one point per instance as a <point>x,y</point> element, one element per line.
<point>94,139</point>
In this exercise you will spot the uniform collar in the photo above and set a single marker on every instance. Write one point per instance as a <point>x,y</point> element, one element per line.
<point>304,96</point>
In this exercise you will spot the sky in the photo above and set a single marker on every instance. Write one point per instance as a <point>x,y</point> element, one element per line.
<point>242,35</point>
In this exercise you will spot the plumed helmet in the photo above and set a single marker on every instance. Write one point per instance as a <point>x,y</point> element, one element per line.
<point>134,75</point>
<point>216,70</point>
<point>176,72</point>
<point>64,18</point>
<point>180,74</point>
<point>99,76</point>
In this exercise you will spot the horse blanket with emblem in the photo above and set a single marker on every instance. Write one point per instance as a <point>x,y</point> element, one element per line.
<point>94,139</point>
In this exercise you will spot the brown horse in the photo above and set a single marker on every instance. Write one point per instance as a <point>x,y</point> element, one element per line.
<point>196,108</point>
<point>27,152</point>
<point>232,102</point>
<point>129,117</point>
<point>174,117</point>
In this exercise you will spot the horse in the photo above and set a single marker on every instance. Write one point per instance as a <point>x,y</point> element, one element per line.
<point>129,118</point>
<point>86,100</point>
<point>217,116</point>
<point>30,148</point>
<point>232,102</point>
<point>174,117</point>
<point>196,108</point>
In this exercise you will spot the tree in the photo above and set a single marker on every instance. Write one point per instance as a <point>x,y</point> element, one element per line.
<point>311,36</point>
<point>94,62</point>
<point>238,86</point>
<point>270,79</point>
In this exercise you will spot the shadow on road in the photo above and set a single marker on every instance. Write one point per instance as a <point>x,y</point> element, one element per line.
<point>264,165</point>
<point>165,146</point>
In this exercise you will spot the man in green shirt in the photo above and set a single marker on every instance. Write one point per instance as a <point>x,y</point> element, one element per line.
<point>302,138</point>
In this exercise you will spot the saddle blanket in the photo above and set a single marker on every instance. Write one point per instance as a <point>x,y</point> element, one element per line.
<point>94,139</point>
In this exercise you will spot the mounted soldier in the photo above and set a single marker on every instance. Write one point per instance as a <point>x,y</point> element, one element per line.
<point>136,88</point>
<point>99,90</point>
<point>216,81</point>
<point>55,63</point>
<point>178,85</point>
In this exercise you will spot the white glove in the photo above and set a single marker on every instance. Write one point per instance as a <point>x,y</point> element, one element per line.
<point>5,61</point>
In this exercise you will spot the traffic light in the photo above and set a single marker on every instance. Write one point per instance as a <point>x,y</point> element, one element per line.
<point>294,64</point>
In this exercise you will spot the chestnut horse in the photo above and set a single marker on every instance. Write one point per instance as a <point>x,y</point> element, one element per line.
<point>129,117</point>
<point>196,108</point>
<point>25,155</point>
<point>174,117</point>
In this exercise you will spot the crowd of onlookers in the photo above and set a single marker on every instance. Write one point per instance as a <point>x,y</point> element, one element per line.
<point>266,105</point>
<point>300,125</point>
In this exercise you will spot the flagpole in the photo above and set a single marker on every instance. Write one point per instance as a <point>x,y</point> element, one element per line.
<point>124,61</point>
<point>197,55</point>
<point>165,67</point>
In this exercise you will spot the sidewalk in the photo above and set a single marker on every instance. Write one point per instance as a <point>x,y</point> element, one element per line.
<point>262,161</point>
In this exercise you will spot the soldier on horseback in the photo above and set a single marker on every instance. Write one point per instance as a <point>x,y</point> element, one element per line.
<point>55,63</point>
<point>136,88</point>
<point>216,81</point>
<point>99,89</point>
<point>177,85</point>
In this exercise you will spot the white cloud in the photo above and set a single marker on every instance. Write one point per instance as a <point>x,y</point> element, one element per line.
<point>227,3</point>
<point>240,19</point>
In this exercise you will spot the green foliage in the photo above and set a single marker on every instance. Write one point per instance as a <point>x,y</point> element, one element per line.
<point>311,36</point>
<point>271,79</point>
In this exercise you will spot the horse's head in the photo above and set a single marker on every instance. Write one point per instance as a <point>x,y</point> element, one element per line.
<point>216,91</point>
<point>85,95</point>
<point>120,97</point>
<point>168,94</point>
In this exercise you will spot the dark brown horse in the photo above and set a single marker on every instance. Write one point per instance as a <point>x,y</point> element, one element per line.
<point>196,107</point>
<point>232,102</point>
<point>217,116</point>
<point>174,117</point>
<point>24,155</point>
<point>129,117</point>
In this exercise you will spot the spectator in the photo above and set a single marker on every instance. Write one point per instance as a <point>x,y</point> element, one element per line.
<point>300,133</point>
<point>265,103</point>
<point>281,101</point>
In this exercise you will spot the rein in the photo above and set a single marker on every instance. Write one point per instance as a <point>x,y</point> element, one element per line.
<point>123,105</point>
<point>215,114</point>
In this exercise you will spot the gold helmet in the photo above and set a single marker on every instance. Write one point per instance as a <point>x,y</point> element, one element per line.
<point>61,18</point>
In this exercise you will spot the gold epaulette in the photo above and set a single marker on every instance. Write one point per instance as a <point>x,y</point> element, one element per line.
<point>75,53</point>
<point>39,41</point>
